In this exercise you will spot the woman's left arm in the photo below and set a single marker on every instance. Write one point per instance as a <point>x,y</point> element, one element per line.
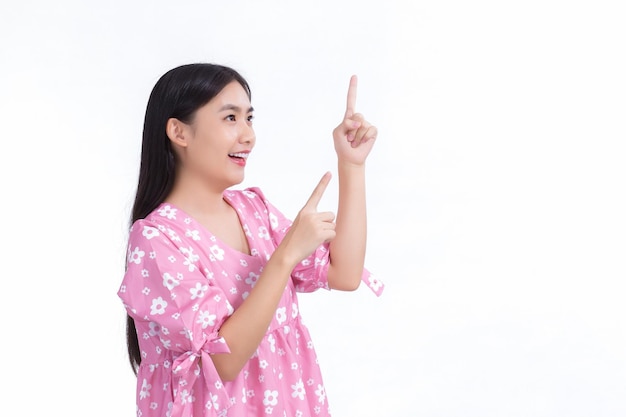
<point>353,139</point>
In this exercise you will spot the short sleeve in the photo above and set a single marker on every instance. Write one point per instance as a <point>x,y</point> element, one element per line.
<point>312,272</point>
<point>163,285</point>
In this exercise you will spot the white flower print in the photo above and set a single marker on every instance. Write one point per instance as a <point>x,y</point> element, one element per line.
<point>198,291</point>
<point>190,258</point>
<point>244,399</point>
<point>294,366</point>
<point>243,262</point>
<point>145,390</point>
<point>158,306</point>
<point>374,283</point>
<point>281,314</point>
<point>272,341</point>
<point>136,255</point>
<point>217,252</point>
<point>145,291</point>
<point>212,403</point>
<point>306,262</point>
<point>298,413</point>
<point>248,194</point>
<point>321,393</point>
<point>246,230</point>
<point>155,329</point>
<point>205,319</point>
<point>173,235</point>
<point>294,310</point>
<point>268,410</point>
<point>168,212</point>
<point>263,233</point>
<point>298,390</point>
<point>252,279</point>
<point>154,406</point>
<point>187,333</point>
<point>145,273</point>
<point>271,398</point>
<point>150,232</point>
<point>194,234</point>
<point>273,221</point>
<point>263,364</point>
<point>169,281</point>
<point>186,397</point>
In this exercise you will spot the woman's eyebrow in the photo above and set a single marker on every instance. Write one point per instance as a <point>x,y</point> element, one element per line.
<point>234,108</point>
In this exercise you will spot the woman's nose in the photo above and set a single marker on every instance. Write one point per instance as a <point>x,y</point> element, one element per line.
<point>247,134</point>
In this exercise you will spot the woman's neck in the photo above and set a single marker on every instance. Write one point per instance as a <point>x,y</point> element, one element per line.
<point>196,196</point>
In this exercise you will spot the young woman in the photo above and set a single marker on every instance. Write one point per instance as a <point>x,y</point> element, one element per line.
<point>212,272</point>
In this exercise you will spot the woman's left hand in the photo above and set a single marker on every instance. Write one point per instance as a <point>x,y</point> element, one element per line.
<point>355,136</point>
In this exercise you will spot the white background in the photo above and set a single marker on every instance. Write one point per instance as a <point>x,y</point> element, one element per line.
<point>496,193</point>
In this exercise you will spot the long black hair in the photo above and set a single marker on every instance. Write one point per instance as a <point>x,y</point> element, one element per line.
<point>179,93</point>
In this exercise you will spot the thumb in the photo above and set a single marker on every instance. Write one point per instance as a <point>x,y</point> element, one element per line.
<point>318,192</point>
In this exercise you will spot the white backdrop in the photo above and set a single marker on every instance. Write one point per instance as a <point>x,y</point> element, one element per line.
<point>496,193</point>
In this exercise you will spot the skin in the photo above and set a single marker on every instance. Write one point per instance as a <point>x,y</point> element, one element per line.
<point>224,126</point>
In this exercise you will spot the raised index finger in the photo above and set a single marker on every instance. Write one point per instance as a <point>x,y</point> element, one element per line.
<point>318,192</point>
<point>351,102</point>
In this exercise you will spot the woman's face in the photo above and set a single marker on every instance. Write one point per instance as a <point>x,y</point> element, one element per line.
<point>221,137</point>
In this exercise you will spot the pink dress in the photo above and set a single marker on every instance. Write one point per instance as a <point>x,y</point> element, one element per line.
<point>182,283</point>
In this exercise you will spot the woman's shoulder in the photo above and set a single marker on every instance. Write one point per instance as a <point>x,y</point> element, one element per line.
<point>250,196</point>
<point>164,218</point>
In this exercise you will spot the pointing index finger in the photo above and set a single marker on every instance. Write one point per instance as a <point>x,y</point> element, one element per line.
<point>318,192</point>
<point>351,102</point>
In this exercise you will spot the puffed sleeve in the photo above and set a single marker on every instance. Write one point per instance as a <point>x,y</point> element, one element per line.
<point>312,272</point>
<point>164,285</point>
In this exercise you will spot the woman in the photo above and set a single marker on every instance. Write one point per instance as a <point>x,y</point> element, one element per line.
<point>212,273</point>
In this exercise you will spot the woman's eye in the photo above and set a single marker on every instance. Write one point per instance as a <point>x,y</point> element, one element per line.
<point>250,118</point>
<point>231,118</point>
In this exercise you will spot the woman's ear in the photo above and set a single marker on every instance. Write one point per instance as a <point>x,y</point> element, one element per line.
<point>176,131</point>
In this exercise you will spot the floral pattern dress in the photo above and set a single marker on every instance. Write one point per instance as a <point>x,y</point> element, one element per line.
<point>181,284</point>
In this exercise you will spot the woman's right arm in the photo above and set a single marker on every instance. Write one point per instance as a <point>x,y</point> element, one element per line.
<point>246,327</point>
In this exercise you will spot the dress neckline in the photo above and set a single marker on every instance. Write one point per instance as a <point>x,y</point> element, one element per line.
<point>228,199</point>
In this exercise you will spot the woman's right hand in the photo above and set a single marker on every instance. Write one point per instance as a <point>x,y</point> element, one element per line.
<point>310,228</point>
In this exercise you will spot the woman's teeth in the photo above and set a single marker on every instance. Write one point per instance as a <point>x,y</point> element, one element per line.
<point>239,155</point>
